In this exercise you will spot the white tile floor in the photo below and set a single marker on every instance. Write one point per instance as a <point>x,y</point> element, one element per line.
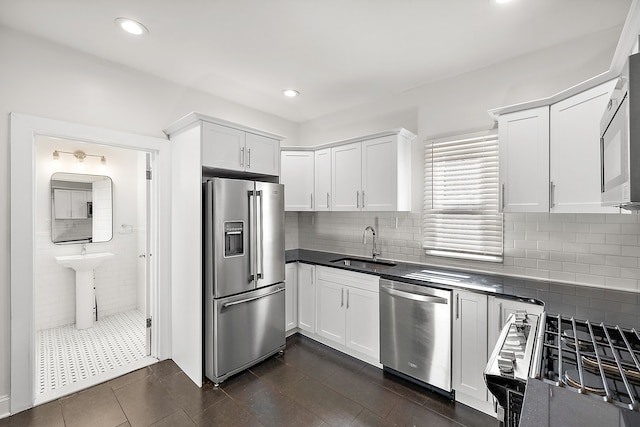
<point>65,355</point>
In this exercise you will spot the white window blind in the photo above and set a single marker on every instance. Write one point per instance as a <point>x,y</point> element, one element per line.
<point>461,217</point>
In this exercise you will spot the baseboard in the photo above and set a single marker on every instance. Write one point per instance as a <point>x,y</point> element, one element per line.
<point>475,403</point>
<point>5,406</point>
<point>341,348</point>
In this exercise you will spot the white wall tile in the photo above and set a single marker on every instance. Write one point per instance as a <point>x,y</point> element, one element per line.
<point>572,248</point>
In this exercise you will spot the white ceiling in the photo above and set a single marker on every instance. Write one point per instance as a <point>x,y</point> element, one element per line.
<point>337,53</point>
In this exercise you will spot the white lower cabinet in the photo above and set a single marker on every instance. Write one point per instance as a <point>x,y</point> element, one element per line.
<point>470,350</point>
<point>306,297</point>
<point>291,296</point>
<point>348,312</point>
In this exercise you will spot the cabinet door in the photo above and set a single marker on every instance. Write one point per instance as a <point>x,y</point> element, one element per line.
<point>524,160</point>
<point>346,177</point>
<point>323,180</point>
<point>291,296</point>
<point>499,310</point>
<point>575,151</point>
<point>78,204</point>
<point>331,306</point>
<point>262,154</point>
<point>297,176</point>
<point>363,322</point>
<point>469,345</point>
<point>222,147</point>
<point>61,204</point>
<point>379,174</point>
<point>306,297</point>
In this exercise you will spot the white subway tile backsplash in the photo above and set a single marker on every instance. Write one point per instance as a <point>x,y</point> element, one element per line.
<point>622,261</point>
<point>606,249</point>
<point>583,249</point>
<point>603,270</point>
<point>592,218</point>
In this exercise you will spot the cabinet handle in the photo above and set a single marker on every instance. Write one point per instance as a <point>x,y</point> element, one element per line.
<point>342,298</point>
<point>457,306</point>
<point>242,157</point>
<point>552,194</point>
<point>502,196</point>
<point>327,200</point>
<point>312,201</point>
<point>500,317</point>
<point>357,199</point>
<point>248,157</point>
<point>347,299</point>
<point>363,199</point>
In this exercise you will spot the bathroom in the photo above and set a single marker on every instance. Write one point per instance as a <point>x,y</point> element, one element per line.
<point>67,357</point>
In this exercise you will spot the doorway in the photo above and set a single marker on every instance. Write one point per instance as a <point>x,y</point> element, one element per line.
<point>94,199</point>
<point>27,239</point>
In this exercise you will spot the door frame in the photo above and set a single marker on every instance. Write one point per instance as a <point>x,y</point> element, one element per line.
<point>23,132</point>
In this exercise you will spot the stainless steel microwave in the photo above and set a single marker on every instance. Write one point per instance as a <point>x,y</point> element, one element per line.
<point>620,141</point>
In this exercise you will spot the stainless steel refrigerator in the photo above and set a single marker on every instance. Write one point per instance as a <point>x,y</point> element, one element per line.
<point>243,274</point>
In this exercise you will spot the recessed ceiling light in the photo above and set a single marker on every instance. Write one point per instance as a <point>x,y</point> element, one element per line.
<point>291,93</point>
<point>131,26</point>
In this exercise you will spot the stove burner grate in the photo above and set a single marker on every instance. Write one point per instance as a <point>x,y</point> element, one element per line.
<point>591,358</point>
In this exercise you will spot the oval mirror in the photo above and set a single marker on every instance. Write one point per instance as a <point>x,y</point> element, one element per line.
<point>81,208</point>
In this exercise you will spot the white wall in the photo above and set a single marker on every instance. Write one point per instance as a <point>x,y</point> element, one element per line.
<point>42,79</point>
<point>459,104</point>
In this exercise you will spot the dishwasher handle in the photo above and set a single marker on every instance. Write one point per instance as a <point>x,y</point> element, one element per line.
<point>413,296</point>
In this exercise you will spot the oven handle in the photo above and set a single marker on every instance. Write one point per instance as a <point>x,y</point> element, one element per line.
<point>242,301</point>
<point>412,296</point>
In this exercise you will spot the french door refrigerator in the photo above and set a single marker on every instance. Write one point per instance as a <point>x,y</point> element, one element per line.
<point>243,274</point>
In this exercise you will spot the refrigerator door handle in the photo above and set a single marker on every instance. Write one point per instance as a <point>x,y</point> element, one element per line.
<point>251,235</point>
<point>259,235</point>
<point>242,301</point>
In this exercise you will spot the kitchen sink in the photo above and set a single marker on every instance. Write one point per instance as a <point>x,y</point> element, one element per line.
<point>364,264</point>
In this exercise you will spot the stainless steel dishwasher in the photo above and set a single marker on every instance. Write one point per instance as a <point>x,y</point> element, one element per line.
<point>415,332</point>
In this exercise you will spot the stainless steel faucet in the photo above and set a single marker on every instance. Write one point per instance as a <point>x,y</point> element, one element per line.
<point>83,249</point>
<point>374,252</point>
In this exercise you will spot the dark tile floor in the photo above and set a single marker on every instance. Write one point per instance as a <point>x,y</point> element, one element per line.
<point>310,385</point>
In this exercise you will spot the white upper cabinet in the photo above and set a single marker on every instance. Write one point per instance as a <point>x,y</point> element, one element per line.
<point>386,174</point>
<point>346,177</point>
<point>298,177</point>
<point>323,191</point>
<point>361,174</point>
<point>575,151</point>
<point>262,154</point>
<point>235,149</point>
<point>222,147</point>
<point>524,160</point>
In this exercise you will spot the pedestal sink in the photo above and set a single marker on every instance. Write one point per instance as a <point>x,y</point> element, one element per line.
<point>84,266</point>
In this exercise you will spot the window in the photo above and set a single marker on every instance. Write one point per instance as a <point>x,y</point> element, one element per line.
<point>461,217</point>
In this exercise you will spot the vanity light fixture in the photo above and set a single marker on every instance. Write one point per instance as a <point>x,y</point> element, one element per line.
<point>79,155</point>
<point>131,26</point>
<point>291,93</point>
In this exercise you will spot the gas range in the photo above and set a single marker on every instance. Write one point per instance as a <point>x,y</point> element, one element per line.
<point>592,359</point>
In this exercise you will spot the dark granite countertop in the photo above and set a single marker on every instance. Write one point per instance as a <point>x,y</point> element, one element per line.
<point>549,405</point>
<point>435,277</point>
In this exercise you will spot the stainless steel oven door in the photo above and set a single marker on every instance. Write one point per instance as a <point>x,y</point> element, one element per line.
<point>247,328</point>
